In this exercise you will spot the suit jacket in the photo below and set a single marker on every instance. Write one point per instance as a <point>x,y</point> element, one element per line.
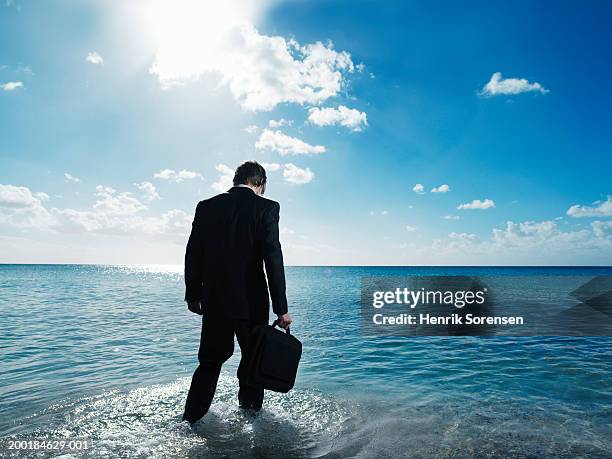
<point>233,235</point>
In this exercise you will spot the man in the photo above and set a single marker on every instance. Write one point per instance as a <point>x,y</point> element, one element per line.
<point>233,235</point>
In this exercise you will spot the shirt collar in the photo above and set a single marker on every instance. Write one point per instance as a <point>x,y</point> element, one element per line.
<point>242,185</point>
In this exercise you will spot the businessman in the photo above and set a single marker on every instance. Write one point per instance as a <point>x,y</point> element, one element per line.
<point>233,236</point>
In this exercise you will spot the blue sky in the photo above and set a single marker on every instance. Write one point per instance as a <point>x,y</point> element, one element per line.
<point>117,117</point>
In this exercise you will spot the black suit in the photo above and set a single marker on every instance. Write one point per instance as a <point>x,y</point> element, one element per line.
<point>233,235</point>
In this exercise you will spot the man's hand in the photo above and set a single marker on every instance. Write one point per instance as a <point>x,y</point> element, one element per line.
<point>195,306</point>
<point>284,321</point>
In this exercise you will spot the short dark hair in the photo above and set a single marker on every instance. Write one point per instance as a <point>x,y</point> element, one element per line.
<point>250,173</point>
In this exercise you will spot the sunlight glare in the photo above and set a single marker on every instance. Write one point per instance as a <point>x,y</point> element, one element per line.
<point>190,33</point>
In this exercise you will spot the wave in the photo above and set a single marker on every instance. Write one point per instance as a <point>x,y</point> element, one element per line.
<point>145,422</point>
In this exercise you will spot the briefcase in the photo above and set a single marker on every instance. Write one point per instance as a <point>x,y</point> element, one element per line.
<point>272,358</point>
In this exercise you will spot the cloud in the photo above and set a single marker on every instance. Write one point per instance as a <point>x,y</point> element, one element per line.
<point>94,58</point>
<point>21,208</point>
<point>112,203</point>
<point>251,129</point>
<point>418,189</point>
<point>25,69</point>
<point>526,231</point>
<point>602,229</point>
<point>510,86</point>
<point>294,174</point>
<point>477,204</point>
<point>112,213</point>
<point>284,144</point>
<point>291,172</point>
<point>174,224</point>
<point>598,209</point>
<point>451,217</point>
<point>177,177</point>
<point>148,190</point>
<point>410,229</point>
<point>279,123</point>
<point>271,167</point>
<point>17,197</point>
<point>524,243</point>
<point>441,189</point>
<point>71,178</point>
<point>11,85</point>
<point>225,180</point>
<point>344,116</point>
<point>455,242</point>
<point>260,71</point>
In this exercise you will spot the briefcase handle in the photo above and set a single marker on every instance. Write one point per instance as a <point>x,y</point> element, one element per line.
<point>275,323</point>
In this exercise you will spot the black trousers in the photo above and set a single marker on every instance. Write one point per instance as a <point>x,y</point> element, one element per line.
<point>216,346</point>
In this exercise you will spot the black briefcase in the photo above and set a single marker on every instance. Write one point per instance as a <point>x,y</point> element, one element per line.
<point>272,358</point>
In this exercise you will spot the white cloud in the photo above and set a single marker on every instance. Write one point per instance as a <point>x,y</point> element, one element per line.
<point>174,224</point>
<point>456,241</point>
<point>598,209</point>
<point>344,116</point>
<point>410,229</point>
<point>531,242</point>
<point>22,208</point>
<point>105,190</point>
<point>602,229</point>
<point>25,69</point>
<point>284,144</point>
<point>271,167</point>
<point>251,129</point>
<point>279,123</point>
<point>294,174</point>
<point>525,232</point>
<point>11,85</point>
<point>94,58</point>
<point>291,174</point>
<point>477,204</point>
<point>225,180</point>
<point>17,197</point>
<point>112,203</point>
<point>510,86</point>
<point>260,71</point>
<point>441,189</point>
<point>71,178</point>
<point>112,213</point>
<point>451,217</point>
<point>177,177</point>
<point>148,190</point>
<point>418,189</point>
<point>384,212</point>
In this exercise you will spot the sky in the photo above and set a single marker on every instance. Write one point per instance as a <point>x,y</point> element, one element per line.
<point>394,133</point>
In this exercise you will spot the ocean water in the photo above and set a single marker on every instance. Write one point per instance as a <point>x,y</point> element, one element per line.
<point>106,352</point>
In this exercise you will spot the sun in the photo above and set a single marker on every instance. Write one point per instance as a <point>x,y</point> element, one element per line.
<point>191,33</point>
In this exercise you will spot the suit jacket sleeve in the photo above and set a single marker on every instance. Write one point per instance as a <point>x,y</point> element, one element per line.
<point>193,259</point>
<point>273,258</point>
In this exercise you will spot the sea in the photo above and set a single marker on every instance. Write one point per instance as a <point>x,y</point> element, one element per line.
<point>105,353</point>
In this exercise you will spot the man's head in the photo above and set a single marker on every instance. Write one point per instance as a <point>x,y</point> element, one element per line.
<point>252,174</point>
